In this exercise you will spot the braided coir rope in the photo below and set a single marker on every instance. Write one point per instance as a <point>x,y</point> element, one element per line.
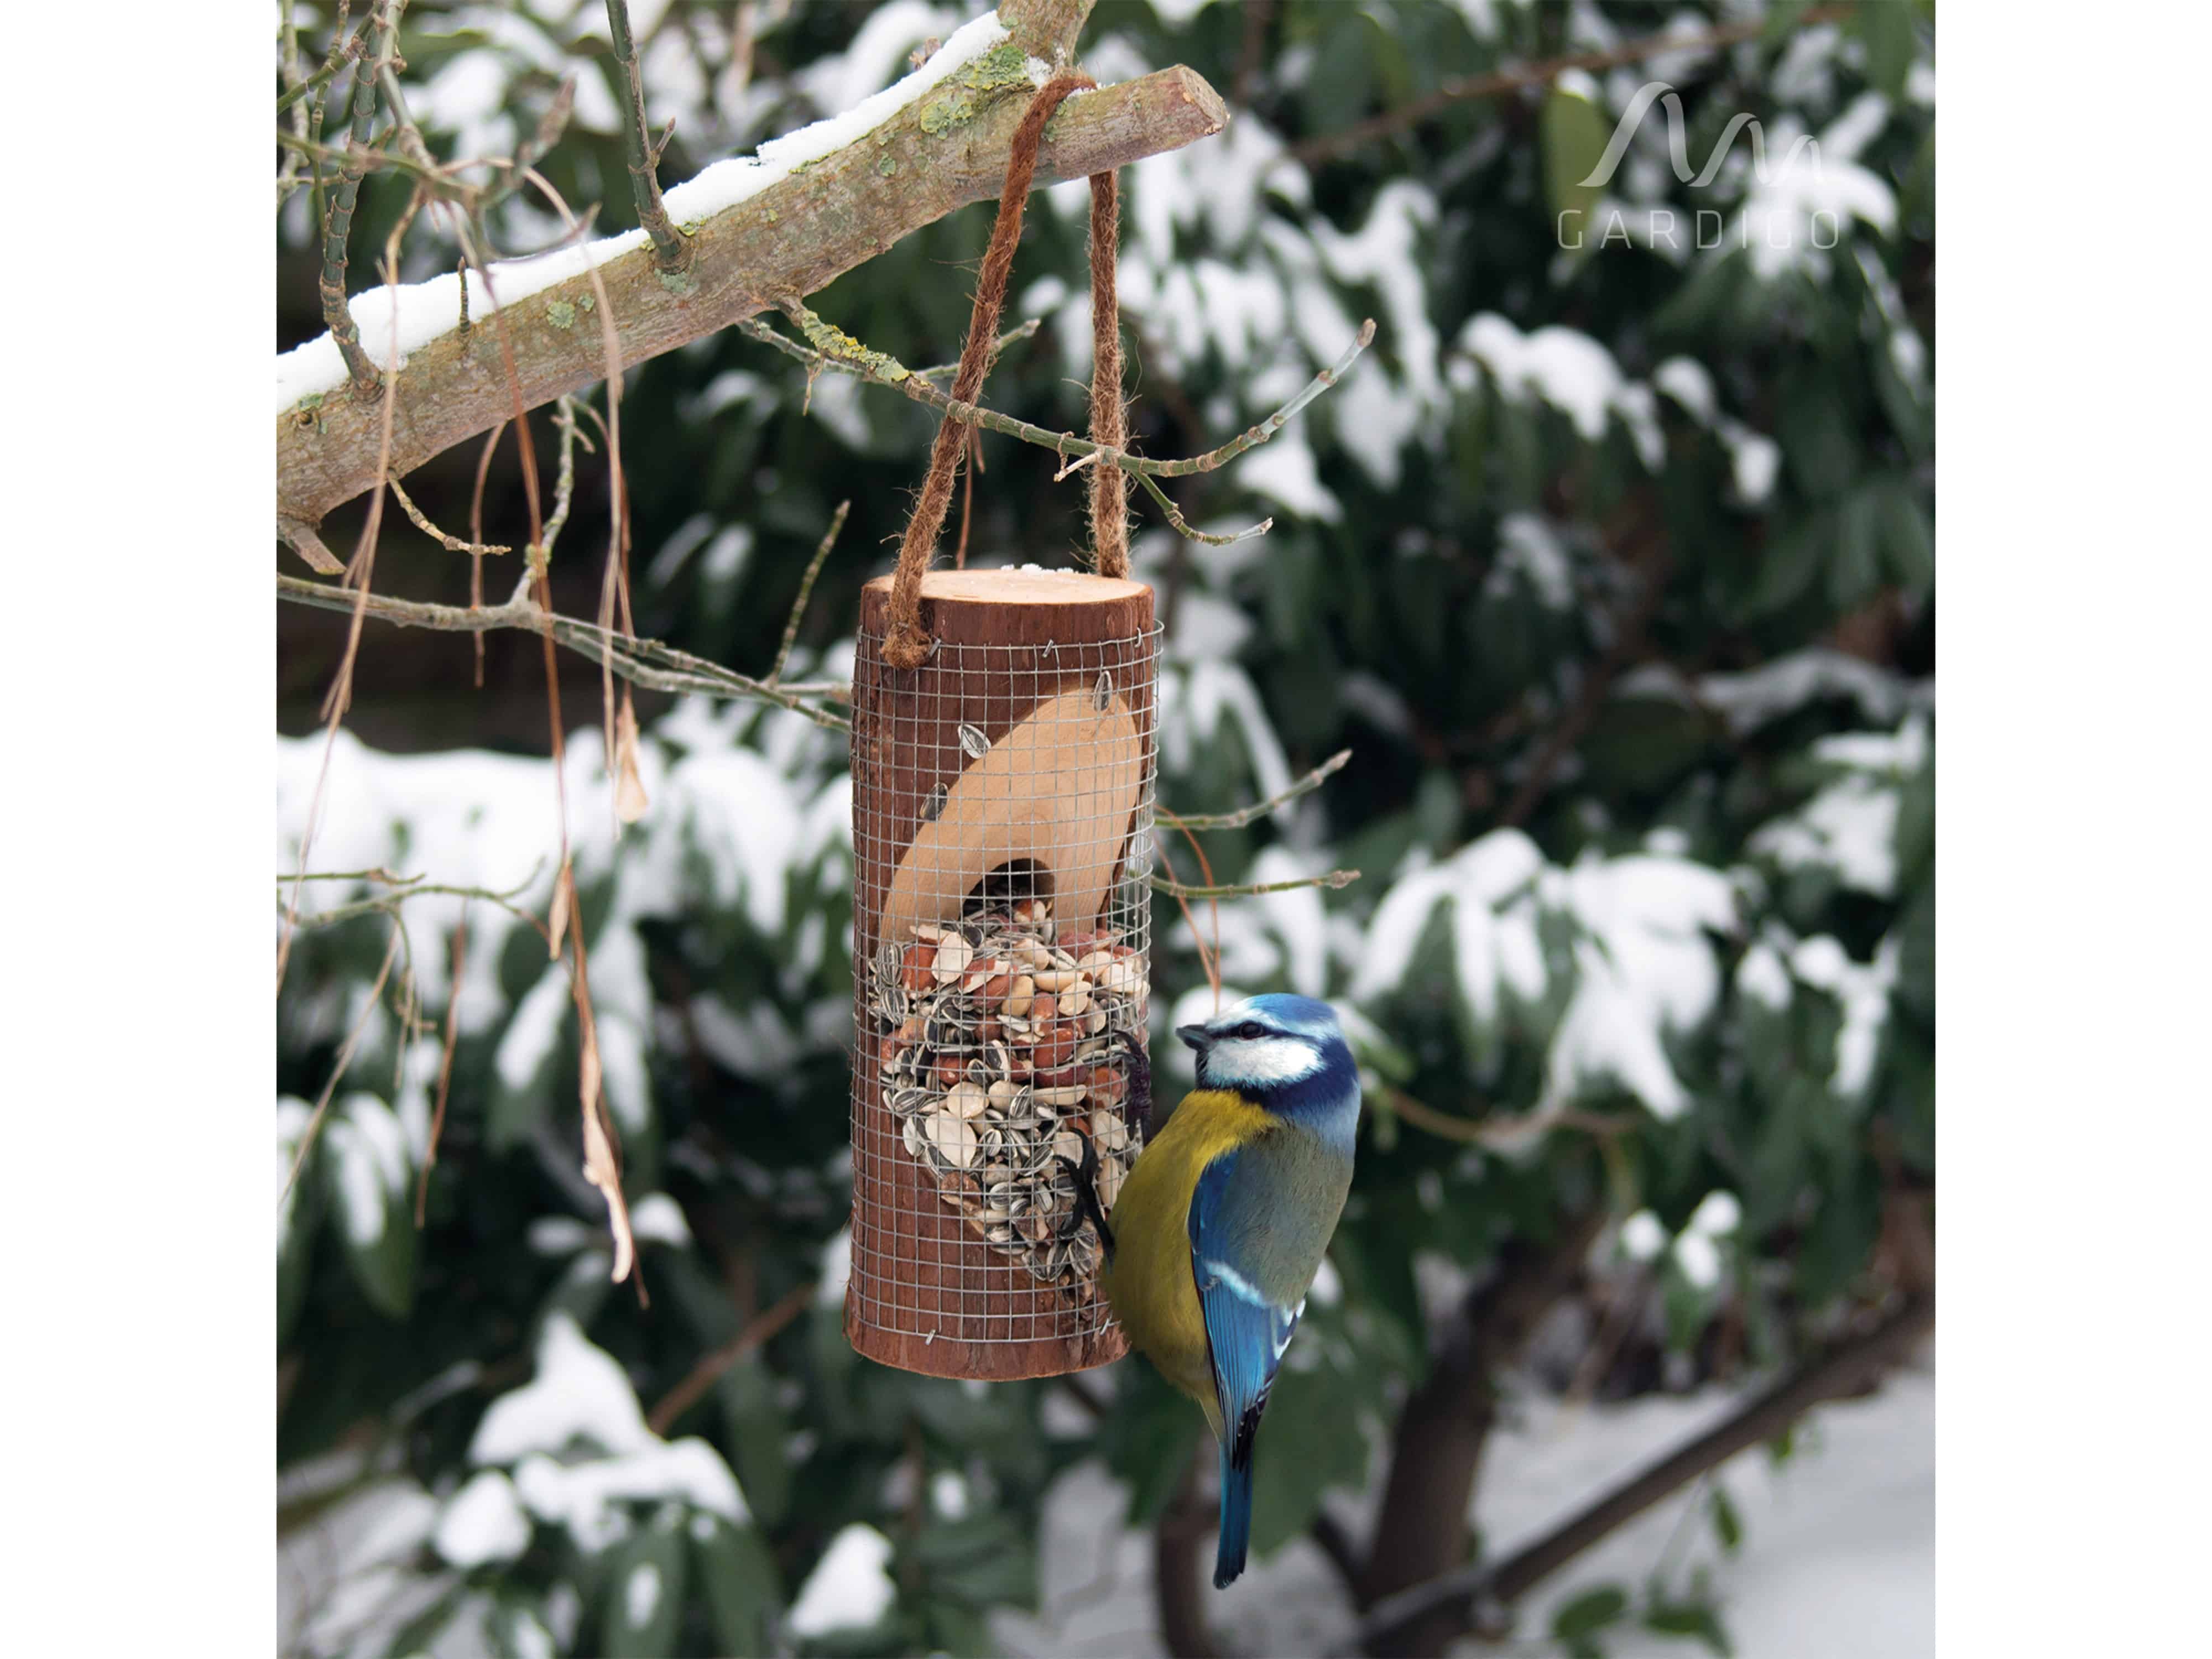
<point>905,644</point>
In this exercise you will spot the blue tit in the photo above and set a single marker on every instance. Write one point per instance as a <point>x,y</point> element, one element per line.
<point>1221,1225</point>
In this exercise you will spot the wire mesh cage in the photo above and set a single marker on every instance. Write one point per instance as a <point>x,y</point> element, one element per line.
<point>1002,812</point>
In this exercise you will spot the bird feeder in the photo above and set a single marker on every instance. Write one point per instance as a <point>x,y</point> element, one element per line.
<point>1002,811</point>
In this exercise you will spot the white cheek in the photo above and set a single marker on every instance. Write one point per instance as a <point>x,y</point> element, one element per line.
<point>1264,1060</point>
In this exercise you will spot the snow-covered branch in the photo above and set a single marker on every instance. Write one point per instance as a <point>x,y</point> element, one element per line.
<point>810,206</point>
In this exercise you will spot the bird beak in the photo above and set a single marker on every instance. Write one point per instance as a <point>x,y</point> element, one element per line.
<point>1192,1035</point>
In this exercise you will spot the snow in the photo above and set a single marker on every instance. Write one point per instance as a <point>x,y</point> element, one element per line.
<point>657,1219</point>
<point>1686,381</point>
<point>1849,829</point>
<point>1751,699</point>
<point>641,1595</point>
<point>406,318</point>
<point>1761,976</point>
<point>586,1497</point>
<point>850,1588</point>
<point>1285,471</point>
<point>1569,370</point>
<point>1862,991</point>
<point>1529,547</point>
<point>836,1270</point>
<point>483,1523</point>
<point>1837,1560</point>
<point>948,1494</point>
<point>1642,1237</point>
<point>368,1154</point>
<point>579,1391</point>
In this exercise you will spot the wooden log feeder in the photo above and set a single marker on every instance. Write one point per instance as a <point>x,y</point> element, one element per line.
<point>1002,811</point>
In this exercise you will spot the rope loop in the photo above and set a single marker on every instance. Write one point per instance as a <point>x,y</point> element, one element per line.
<point>906,644</point>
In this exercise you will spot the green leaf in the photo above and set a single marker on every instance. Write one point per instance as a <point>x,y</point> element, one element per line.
<point>366,1172</point>
<point>1310,1439</point>
<point>744,1593</point>
<point>1854,571</point>
<point>1147,1440</point>
<point>1690,1619</point>
<point>1908,545</point>
<point>644,1593</point>
<point>1886,26</point>
<point>758,1429</point>
<point>1592,1610</point>
<point>1728,1525</point>
<point>1574,133</point>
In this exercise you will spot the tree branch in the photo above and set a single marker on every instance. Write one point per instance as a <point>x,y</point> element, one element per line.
<point>1421,1531</point>
<point>704,1374</point>
<point>1252,814</point>
<point>671,252</point>
<point>1842,1371</point>
<point>790,237</point>
<point>336,230</point>
<point>647,663</point>
<point>1333,879</point>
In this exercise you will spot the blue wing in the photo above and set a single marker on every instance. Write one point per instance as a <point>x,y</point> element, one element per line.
<point>1248,1334</point>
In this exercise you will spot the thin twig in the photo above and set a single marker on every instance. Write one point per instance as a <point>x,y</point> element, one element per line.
<point>643,662</point>
<point>1462,88</point>
<point>338,1066</point>
<point>671,251</point>
<point>1333,879</point>
<point>451,544</point>
<point>1252,814</point>
<point>806,588</point>
<point>1488,1132</point>
<point>445,1064</point>
<point>1182,525</point>
<point>331,286</point>
<point>886,371</point>
<point>702,1376</point>
<point>475,522</point>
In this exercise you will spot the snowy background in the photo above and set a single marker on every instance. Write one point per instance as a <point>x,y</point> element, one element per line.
<point>1612,566</point>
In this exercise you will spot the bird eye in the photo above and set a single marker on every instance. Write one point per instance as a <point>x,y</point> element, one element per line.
<point>1250,1031</point>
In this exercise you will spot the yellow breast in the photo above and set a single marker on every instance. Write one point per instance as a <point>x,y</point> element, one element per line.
<point>1150,1282</point>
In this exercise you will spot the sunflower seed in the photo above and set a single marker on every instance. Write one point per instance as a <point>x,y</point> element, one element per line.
<point>977,744</point>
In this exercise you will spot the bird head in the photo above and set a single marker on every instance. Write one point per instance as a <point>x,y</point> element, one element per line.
<point>1270,1045</point>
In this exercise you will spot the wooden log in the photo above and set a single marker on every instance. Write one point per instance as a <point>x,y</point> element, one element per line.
<point>1017,760</point>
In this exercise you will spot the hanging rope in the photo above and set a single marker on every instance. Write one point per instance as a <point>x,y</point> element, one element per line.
<point>905,643</point>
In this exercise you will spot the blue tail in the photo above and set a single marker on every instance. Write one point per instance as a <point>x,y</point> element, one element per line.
<point>1236,1512</point>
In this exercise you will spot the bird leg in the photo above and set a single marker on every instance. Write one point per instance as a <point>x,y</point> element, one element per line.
<point>1087,1207</point>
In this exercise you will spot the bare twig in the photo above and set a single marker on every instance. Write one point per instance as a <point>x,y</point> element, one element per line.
<point>1489,1132</point>
<point>451,544</point>
<point>833,349</point>
<point>445,1064</point>
<point>338,1066</point>
<point>339,225</point>
<point>1252,814</point>
<point>476,527</point>
<point>1842,1371</point>
<point>647,663</point>
<point>358,574</point>
<point>704,1375</point>
<point>302,540</point>
<point>409,887</point>
<point>670,251</point>
<point>1333,879</point>
<point>806,588</point>
<point>1462,88</point>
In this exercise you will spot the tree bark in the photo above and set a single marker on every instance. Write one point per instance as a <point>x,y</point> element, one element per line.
<point>789,239</point>
<point>1422,1529</point>
<point>1179,1577</point>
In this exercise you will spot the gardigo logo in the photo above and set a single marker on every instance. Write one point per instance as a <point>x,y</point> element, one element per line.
<point>1822,224</point>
